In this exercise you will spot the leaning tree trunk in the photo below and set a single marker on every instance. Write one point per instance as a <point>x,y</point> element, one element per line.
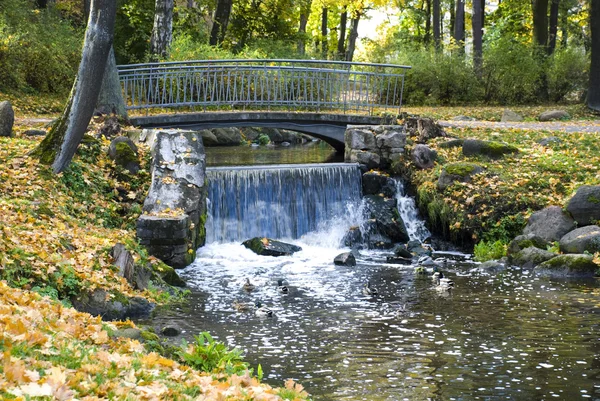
<point>162,32</point>
<point>593,98</point>
<point>352,37</point>
<point>477,25</point>
<point>341,46</point>
<point>110,100</point>
<point>219,28</point>
<point>59,146</point>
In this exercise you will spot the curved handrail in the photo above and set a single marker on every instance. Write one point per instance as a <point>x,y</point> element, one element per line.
<point>272,83</point>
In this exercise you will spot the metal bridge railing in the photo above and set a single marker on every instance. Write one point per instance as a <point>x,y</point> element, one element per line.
<point>303,85</point>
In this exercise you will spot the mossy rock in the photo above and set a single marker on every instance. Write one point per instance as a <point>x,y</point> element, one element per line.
<point>526,241</point>
<point>124,152</point>
<point>461,171</point>
<point>169,275</point>
<point>493,149</point>
<point>270,247</point>
<point>531,256</point>
<point>568,266</point>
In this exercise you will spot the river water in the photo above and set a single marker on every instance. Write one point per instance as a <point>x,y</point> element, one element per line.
<point>514,336</point>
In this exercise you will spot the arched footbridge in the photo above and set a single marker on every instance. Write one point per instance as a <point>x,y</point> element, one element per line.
<point>317,97</point>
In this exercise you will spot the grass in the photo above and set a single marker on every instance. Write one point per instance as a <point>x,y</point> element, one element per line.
<point>495,205</point>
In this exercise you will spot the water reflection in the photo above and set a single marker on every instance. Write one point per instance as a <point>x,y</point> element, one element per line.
<point>311,152</point>
<point>511,337</point>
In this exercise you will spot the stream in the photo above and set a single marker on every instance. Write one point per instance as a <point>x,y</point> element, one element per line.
<point>513,336</point>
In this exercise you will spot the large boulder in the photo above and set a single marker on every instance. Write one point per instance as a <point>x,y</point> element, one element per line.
<point>123,260</point>
<point>228,136</point>
<point>7,118</point>
<point>423,156</point>
<point>491,267</point>
<point>112,306</point>
<point>270,247</point>
<point>124,152</point>
<point>345,259</point>
<point>415,247</point>
<point>585,205</point>
<point>510,116</point>
<point>462,172</point>
<point>525,241</point>
<point>373,237</point>
<point>360,139</point>
<point>453,143</point>
<point>353,238</point>
<point>571,265</point>
<point>208,138</point>
<point>423,128</point>
<point>530,257</point>
<point>385,213</point>
<point>477,147</point>
<point>553,115</point>
<point>375,183</point>
<point>550,224</point>
<point>581,240</point>
<point>402,252</point>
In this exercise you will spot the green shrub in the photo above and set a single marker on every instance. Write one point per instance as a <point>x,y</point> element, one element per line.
<point>511,73</point>
<point>212,356</point>
<point>39,52</point>
<point>485,251</point>
<point>568,73</point>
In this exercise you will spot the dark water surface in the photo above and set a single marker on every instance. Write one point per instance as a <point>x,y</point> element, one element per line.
<point>311,152</point>
<point>515,337</point>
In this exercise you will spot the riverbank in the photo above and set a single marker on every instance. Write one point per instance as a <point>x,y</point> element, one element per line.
<point>56,235</point>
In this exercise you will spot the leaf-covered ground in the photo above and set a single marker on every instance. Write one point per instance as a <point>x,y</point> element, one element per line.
<point>55,237</point>
<point>496,204</point>
<point>56,353</point>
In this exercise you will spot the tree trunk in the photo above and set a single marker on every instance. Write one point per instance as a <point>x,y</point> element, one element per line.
<point>459,24</point>
<point>553,30</point>
<point>437,34</point>
<point>110,100</point>
<point>59,146</point>
<point>452,8</point>
<point>540,22</point>
<point>221,20</point>
<point>341,47</point>
<point>593,98</point>
<point>427,21</point>
<point>352,37</point>
<point>304,14</point>
<point>162,32</point>
<point>191,4</point>
<point>477,37</point>
<point>324,41</point>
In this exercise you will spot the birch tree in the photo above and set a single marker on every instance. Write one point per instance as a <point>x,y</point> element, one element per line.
<point>59,146</point>
<point>162,31</point>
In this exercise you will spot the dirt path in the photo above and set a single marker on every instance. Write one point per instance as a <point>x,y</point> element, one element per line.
<point>564,126</point>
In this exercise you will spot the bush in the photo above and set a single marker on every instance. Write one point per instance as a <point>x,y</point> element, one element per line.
<point>511,73</point>
<point>212,356</point>
<point>568,73</point>
<point>485,251</point>
<point>39,52</point>
<point>438,78</point>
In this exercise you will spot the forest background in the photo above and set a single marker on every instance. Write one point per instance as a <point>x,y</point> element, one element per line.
<point>499,52</point>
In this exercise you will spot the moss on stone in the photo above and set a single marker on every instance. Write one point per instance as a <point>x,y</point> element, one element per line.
<point>592,199</point>
<point>497,149</point>
<point>460,169</point>
<point>125,154</point>
<point>574,264</point>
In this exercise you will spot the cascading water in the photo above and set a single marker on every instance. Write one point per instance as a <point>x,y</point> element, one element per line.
<point>282,201</point>
<point>415,225</point>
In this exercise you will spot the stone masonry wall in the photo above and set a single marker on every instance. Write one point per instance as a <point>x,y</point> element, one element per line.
<point>374,147</point>
<point>172,224</point>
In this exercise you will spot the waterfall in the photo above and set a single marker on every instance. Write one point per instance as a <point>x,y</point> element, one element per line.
<point>280,201</point>
<point>415,225</point>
